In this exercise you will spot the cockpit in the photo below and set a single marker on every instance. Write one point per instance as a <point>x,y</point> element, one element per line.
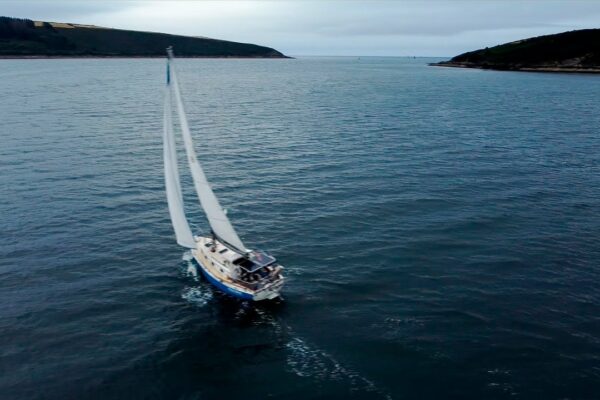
<point>257,267</point>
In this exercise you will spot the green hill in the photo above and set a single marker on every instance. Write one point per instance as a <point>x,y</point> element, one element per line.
<point>27,38</point>
<point>574,51</point>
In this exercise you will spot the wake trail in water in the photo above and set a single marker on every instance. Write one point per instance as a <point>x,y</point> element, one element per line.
<point>303,359</point>
<point>190,269</point>
<point>197,295</point>
<point>308,361</point>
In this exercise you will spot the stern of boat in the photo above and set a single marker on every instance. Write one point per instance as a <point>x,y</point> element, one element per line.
<point>269,292</point>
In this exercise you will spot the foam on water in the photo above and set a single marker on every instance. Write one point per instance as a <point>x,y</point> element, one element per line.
<point>308,361</point>
<point>197,295</point>
<point>187,256</point>
<point>188,266</point>
<point>192,271</point>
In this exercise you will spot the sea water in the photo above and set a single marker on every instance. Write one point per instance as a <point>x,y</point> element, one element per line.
<point>439,227</point>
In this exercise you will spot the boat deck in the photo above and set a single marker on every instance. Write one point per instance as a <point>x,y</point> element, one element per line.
<point>221,262</point>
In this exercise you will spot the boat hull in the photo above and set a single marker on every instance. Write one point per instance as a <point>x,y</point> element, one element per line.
<point>265,294</point>
<point>224,288</point>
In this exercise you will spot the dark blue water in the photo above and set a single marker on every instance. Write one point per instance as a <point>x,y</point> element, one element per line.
<point>440,230</point>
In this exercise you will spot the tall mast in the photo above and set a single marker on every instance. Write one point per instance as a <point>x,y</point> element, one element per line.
<point>219,223</point>
<point>179,221</point>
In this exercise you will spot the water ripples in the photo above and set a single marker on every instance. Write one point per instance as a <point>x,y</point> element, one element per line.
<point>438,227</point>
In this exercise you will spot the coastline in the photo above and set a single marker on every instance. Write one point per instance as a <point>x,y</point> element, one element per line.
<point>550,69</point>
<point>45,57</point>
<point>26,39</point>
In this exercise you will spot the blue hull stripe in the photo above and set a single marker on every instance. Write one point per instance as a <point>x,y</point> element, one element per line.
<point>222,287</point>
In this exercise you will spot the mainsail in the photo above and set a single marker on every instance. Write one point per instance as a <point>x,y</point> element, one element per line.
<point>217,219</point>
<point>182,229</point>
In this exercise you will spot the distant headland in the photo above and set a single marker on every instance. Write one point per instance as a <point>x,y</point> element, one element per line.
<point>574,51</point>
<point>24,38</point>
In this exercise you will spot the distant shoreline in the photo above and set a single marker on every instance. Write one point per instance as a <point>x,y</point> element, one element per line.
<point>43,57</point>
<point>516,68</point>
<point>570,52</point>
<point>26,39</point>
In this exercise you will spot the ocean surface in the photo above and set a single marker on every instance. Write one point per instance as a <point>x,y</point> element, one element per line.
<point>440,230</point>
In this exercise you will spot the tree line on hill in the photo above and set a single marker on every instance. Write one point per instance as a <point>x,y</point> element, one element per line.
<point>21,37</point>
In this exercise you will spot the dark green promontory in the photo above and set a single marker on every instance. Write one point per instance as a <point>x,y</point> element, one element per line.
<point>26,38</point>
<point>574,51</point>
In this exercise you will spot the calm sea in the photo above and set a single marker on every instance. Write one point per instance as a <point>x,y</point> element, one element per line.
<point>440,230</point>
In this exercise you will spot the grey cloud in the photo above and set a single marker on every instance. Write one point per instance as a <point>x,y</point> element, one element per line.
<point>429,18</point>
<point>60,11</point>
<point>335,27</point>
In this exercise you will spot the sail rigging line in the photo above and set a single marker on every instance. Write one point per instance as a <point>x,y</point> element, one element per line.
<point>179,221</point>
<point>219,223</point>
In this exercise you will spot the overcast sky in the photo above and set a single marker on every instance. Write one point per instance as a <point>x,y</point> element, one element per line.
<point>391,28</point>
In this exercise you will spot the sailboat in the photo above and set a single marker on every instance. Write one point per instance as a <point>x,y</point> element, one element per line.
<point>222,256</point>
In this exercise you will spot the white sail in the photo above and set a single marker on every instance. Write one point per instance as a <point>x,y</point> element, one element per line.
<point>217,219</point>
<point>182,229</point>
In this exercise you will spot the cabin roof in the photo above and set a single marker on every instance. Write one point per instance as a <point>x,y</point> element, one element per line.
<point>253,262</point>
<point>261,258</point>
<point>226,253</point>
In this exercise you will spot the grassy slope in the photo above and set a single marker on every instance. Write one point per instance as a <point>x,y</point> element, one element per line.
<point>51,40</point>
